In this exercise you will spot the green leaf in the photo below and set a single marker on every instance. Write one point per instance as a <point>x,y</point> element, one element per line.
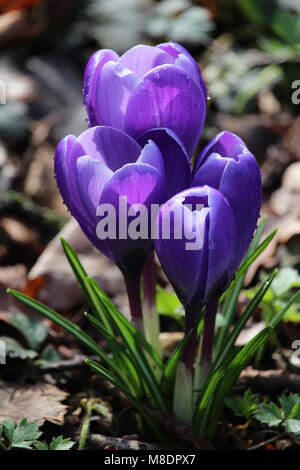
<point>15,350</point>
<point>49,354</point>
<point>287,26</point>
<point>136,345</point>
<point>82,279</point>
<point>121,322</point>
<point>33,330</point>
<point>249,311</point>
<point>137,355</point>
<point>263,77</point>
<point>231,374</point>
<point>286,279</point>
<point>268,413</point>
<point>136,403</point>
<point>292,426</point>
<point>231,295</point>
<point>274,322</point>
<point>127,371</point>
<point>40,445</point>
<point>167,303</point>
<point>24,434</point>
<point>244,405</point>
<point>9,429</point>
<point>258,11</point>
<point>250,258</point>
<point>170,368</point>
<point>75,330</point>
<point>59,443</point>
<point>289,403</point>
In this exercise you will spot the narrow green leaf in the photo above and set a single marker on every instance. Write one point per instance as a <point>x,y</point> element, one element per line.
<point>232,373</point>
<point>249,259</point>
<point>230,304</point>
<point>132,339</point>
<point>249,311</point>
<point>141,341</point>
<point>169,370</point>
<point>274,322</point>
<point>82,279</point>
<point>135,402</point>
<point>127,369</point>
<point>75,330</point>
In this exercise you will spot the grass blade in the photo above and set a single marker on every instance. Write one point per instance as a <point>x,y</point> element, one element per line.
<point>169,370</point>
<point>131,339</point>
<point>249,310</point>
<point>231,375</point>
<point>120,354</point>
<point>135,402</point>
<point>75,330</point>
<point>82,279</point>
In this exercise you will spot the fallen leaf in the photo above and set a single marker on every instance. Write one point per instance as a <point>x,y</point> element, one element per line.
<point>52,281</point>
<point>38,403</point>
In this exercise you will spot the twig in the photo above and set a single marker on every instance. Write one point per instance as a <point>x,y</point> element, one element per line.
<point>77,362</point>
<point>100,441</point>
<point>271,381</point>
<point>262,444</point>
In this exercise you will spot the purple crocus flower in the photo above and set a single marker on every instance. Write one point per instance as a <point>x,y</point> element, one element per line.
<point>147,87</point>
<point>103,165</point>
<point>198,262</point>
<point>227,165</point>
<point>196,256</point>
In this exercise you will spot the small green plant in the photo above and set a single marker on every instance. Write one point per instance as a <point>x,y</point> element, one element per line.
<point>25,435</point>
<point>286,415</point>
<point>244,406</point>
<point>280,291</point>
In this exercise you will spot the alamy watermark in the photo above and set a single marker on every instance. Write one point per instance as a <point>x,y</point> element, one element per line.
<point>136,221</point>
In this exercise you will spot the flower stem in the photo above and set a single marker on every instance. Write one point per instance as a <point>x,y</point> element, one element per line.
<point>134,297</point>
<point>88,405</point>
<point>151,319</point>
<point>210,313</point>
<point>183,393</point>
<point>189,350</point>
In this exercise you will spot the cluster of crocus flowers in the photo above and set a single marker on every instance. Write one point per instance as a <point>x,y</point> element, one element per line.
<point>146,111</point>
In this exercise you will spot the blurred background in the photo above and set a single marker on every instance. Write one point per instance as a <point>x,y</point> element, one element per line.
<point>249,54</point>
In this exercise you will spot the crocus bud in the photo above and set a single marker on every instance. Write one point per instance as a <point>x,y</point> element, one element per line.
<point>227,165</point>
<point>147,87</point>
<point>106,180</point>
<point>196,240</point>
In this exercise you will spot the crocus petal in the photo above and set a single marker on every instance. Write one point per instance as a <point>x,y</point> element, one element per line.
<point>152,156</point>
<point>91,77</point>
<point>176,161</point>
<point>60,168</point>
<point>114,89</point>
<point>243,178</point>
<point>91,175</point>
<point>222,243</point>
<point>140,184</point>
<point>227,165</point>
<point>184,60</point>
<point>140,59</point>
<point>225,144</point>
<point>165,97</point>
<point>211,171</point>
<point>197,263</point>
<point>182,266</point>
<point>111,146</point>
